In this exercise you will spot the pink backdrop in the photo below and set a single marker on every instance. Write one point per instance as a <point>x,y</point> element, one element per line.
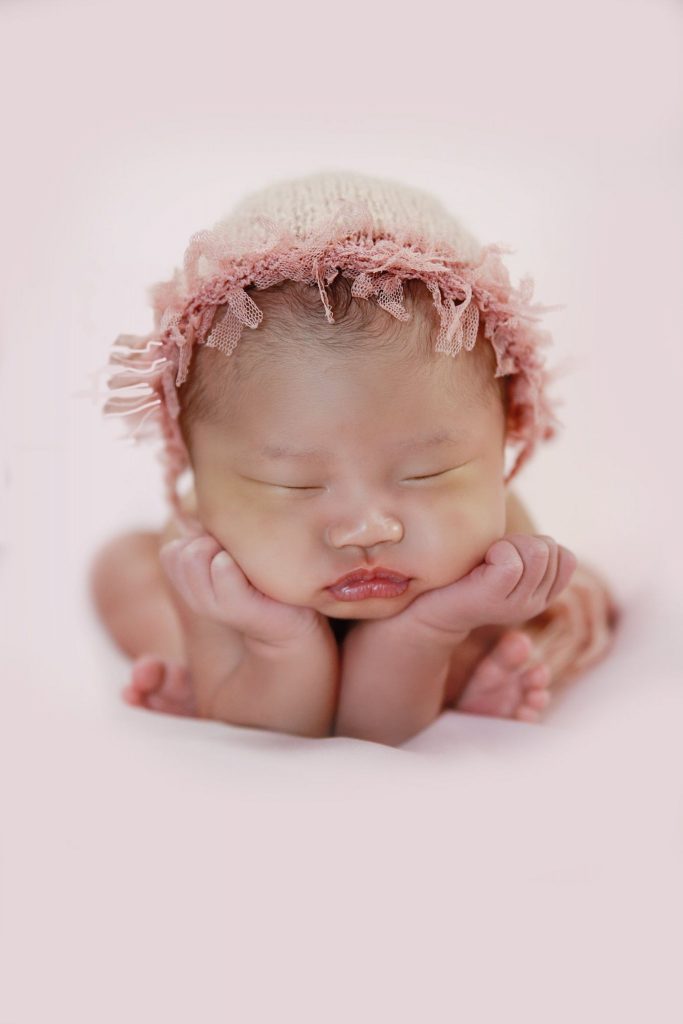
<point>163,869</point>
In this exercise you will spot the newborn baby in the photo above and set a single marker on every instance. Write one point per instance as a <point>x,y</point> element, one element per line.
<point>351,560</point>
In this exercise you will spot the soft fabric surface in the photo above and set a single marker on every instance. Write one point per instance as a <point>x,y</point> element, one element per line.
<point>163,869</point>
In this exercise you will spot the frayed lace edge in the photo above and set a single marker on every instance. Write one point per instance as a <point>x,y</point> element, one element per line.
<point>145,371</point>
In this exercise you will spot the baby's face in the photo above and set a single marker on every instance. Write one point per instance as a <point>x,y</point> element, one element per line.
<point>351,497</point>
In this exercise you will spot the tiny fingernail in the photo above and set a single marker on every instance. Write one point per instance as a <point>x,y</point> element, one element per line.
<point>223,560</point>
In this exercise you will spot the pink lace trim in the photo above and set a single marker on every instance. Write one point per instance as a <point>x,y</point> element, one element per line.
<point>145,371</point>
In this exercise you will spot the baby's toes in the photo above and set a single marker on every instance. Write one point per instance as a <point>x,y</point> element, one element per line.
<point>513,649</point>
<point>147,677</point>
<point>160,684</point>
<point>494,687</point>
<point>527,714</point>
<point>535,695</point>
<point>536,680</point>
<point>177,686</point>
<point>505,660</point>
<point>177,695</point>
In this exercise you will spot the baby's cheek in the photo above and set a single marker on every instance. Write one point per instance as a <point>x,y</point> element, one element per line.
<point>466,530</point>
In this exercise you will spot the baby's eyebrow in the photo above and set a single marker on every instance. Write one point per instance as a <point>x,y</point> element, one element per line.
<point>440,437</point>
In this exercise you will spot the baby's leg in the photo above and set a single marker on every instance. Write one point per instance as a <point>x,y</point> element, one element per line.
<point>131,596</point>
<point>504,677</point>
<point>506,672</point>
<point>578,630</point>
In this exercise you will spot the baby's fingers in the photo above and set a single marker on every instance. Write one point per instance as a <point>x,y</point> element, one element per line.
<point>258,616</point>
<point>548,568</point>
<point>566,564</point>
<point>550,574</point>
<point>235,597</point>
<point>196,562</point>
<point>187,564</point>
<point>536,553</point>
<point>169,556</point>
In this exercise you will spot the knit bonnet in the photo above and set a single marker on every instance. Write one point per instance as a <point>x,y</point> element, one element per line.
<point>377,233</point>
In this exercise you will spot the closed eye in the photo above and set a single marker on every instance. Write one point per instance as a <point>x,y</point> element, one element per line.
<point>312,487</point>
<point>432,476</point>
<point>289,487</point>
<point>286,487</point>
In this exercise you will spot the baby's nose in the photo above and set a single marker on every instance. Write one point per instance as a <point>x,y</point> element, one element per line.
<point>368,531</point>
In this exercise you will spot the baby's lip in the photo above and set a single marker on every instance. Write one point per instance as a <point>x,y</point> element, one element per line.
<point>363,575</point>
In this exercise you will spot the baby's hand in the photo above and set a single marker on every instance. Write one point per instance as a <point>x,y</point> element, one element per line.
<point>211,582</point>
<point>519,577</point>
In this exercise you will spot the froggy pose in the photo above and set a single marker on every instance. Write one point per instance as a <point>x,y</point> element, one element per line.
<point>368,443</point>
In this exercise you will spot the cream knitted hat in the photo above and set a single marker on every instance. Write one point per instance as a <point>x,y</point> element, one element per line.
<point>374,231</point>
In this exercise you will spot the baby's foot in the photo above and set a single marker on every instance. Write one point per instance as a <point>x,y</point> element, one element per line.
<point>161,684</point>
<point>501,687</point>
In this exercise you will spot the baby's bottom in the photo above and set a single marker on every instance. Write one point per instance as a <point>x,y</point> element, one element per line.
<point>493,672</point>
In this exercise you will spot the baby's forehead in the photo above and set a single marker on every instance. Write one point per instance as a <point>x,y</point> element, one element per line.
<point>382,370</point>
<point>295,352</point>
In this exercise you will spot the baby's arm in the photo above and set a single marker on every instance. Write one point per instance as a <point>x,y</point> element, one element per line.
<point>287,686</point>
<point>392,689</point>
<point>394,671</point>
<point>576,630</point>
<point>392,682</point>
<point>291,692</point>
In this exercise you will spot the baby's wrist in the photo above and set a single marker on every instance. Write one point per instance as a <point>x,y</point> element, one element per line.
<point>413,634</point>
<point>315,636</point>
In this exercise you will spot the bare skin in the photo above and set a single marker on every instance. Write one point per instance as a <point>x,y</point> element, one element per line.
<point>496,670</point>
<point>289,488</point>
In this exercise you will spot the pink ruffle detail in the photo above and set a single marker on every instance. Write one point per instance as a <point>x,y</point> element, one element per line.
<point>217,272</point>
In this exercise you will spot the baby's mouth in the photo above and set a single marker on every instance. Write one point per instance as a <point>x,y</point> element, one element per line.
<point>367,583</point>
<point>368,575</point>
